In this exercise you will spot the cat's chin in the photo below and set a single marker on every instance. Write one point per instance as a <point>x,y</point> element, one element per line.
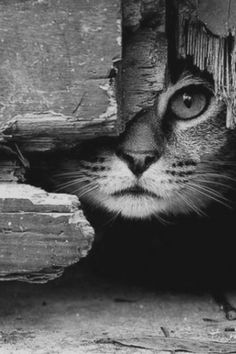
<point>139,207</point>
<point>133,207</point>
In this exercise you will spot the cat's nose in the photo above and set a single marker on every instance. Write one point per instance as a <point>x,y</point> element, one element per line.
<point>138,162</point>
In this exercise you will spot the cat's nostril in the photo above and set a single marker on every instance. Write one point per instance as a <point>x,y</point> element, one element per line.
<point>138,162</point>
<point>149,160</point>
<point>119,153</point>
<point>124,156</point>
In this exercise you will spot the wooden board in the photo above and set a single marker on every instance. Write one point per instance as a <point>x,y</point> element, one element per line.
<point>144,55</point>
<point>40,233</point>
<point>55,60</point>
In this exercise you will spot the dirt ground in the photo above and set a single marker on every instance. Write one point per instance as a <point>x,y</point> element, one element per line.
<point>91,314</point>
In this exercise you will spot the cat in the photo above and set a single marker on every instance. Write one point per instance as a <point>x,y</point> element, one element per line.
<point>161,195</point>
<point>176,157</point>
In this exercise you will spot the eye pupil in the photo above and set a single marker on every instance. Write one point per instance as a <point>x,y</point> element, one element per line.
<point>188,100</point>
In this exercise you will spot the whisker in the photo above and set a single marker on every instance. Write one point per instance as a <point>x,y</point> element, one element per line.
<point>71,183</point>
<point>219,163</point>
<point>191,205</point>
<point>111,220</point>
<point>84,192</point>
<point>72,174</point>
<point>214,183</point>
<point>162,220</point>
<point>79,179</point>
<point>70,178</point>
<point>209,190</point>
<point>215,175</point>
<point>195,189</point>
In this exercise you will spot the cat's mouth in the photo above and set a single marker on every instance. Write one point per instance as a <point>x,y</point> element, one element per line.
<point>135,191</point>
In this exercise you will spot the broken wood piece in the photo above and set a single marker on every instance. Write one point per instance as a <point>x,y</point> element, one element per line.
<point>218,15</point>
<point>40,132</point>
<point>206,34</point>
<point>40,233</point>
<point>156,343</point>
<point>55,61</point>
<point>144,59</point>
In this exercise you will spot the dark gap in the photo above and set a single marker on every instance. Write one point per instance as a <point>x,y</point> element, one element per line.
<point>184,253</point>
<point>172,35</point>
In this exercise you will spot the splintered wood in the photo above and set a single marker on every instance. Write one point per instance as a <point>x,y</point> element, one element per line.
<point>56,59</point>
<point>40,233</point>
<point>144,55</point>
<point>207,34</point>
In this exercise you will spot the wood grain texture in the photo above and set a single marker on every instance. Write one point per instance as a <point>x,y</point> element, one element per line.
<point>218,15</point>
<point>56,58</point>
<point>144,54</point>
<point>172,345</point>
<point>40,233</point>
<point>40,132</point>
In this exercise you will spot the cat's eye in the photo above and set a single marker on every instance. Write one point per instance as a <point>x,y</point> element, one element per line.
<point>190,102</point>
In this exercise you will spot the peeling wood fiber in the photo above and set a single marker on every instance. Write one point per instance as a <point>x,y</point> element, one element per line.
<point>144,55</point>
<point>212,51</point>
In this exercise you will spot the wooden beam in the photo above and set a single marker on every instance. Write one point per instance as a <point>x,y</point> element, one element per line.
<point>40,233</point>
<point>55,61</point>
<point>40,132</point>
<point>144,55</point>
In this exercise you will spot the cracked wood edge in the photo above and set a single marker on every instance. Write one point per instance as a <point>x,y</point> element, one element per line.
<point>206,33</point>
<point>59,59</point>
<point>40,132</point>
<point>40,233</point>
<point>144,59</point>
<point>172,344</point>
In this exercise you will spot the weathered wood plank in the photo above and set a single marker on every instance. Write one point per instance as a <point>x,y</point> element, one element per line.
<point>50,130</point>
<point>55,59</point>
<point>171,345</point>
<point>144,54</point>
<point>40,233</point>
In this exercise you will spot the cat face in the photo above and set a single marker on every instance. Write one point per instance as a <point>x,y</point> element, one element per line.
<point>174,158</point>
